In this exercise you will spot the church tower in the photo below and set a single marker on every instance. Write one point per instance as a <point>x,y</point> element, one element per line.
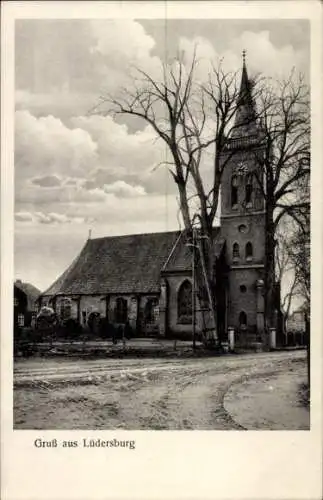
<point>243,219</point>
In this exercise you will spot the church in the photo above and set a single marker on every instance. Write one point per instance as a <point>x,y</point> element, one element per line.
<point>145,280</point>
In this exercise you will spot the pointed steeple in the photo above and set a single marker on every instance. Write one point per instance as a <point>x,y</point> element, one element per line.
<point>245,121</point>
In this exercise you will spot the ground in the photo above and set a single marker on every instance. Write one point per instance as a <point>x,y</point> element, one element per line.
<point>250,391</point>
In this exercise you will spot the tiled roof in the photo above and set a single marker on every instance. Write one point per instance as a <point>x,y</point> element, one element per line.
<point>30,290</point>
<point>181,257</point>
<point>117,264</point>
<point>126,264</point>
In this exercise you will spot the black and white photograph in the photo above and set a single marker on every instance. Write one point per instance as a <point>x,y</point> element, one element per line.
<point>162,224</point>
<point>161,250</point>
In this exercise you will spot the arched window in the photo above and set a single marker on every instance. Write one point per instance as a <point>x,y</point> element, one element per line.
<point>121,310</point>
<point>65,310</point>
<point>248,187</point>
<point>235,251</point>
<point>249,251</point>
<point>184,303</point>
<point>151,311</point>
<point>234,190</point>
<point>21,319</point>
<point>242,319</point>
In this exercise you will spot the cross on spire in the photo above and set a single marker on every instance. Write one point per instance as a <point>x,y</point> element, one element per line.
<point>244,56</point>
<point>245,120</point>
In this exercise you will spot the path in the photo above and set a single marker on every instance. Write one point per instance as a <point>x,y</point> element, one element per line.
<point>137,394</point>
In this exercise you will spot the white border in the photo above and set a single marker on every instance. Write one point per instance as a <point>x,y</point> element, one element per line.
<point>178,465</point>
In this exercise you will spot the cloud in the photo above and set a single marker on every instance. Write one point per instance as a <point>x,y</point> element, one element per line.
<point>47,181</point>
<point>262,55</point>
<point>123,190</point>
<point>60,103</point>
<point>122,40</point>
<point>88,160</point>
<point>45,144</point>
<point>91,162</point>
<point>92,57</point>
<point>23,217</point>
<point>50,218</point>
<point>97,57</point>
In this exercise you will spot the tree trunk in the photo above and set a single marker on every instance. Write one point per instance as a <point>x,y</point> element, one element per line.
<point>269,271</point>
<point>206,289</point>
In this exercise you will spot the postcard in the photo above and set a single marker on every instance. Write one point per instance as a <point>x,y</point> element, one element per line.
<point>161,281</point>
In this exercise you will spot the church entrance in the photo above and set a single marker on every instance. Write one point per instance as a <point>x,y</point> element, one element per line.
<point>94,323</point>
<point>151,317</point>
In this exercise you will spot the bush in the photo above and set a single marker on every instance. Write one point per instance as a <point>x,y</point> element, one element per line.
<point>69,329</point>
<point>27,334</point>
<point>105,329</point>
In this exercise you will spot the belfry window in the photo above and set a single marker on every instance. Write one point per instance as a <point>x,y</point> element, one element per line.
<point>249,251</point>
<point>184,303</point>
<point>235,251</point>
<point>234,191</point>
<point>248,187</point>
<point>243,319</point>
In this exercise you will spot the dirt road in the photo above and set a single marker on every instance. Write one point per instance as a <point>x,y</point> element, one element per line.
<point>139,394</point>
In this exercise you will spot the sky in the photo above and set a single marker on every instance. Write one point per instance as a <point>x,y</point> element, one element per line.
<point>77,171</point>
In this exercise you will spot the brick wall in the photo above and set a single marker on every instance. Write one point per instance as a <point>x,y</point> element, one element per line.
<point>174,326</point>
<point>242,224</point>
<point>92,303</point>
<point>296,322</point>
<point>243,301</point>
<point>253,232</point>
<point>257,200</point>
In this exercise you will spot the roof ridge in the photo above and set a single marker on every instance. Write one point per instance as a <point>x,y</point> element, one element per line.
<point>172,251</point>
<point>26,284</point>
<point>67,271</point>
<point>116,263</point>
<point>135,234</point>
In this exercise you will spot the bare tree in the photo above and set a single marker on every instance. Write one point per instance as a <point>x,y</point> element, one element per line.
<point>284,109</point>
<point>195,122</point>
<point>299,254</point>
<point>287,269</point>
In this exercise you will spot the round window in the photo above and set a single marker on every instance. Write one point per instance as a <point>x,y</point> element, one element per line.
<point>243,288</point>
<point>242,228</point>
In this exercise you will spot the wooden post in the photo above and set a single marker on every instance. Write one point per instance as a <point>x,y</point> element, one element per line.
<point>211,308</point>
<point>272,338</point>
<point>231,338</point>
<point>193,292</point>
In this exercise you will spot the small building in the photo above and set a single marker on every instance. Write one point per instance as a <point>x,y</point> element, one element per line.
<point>296,321</point>
<point>25,303</point>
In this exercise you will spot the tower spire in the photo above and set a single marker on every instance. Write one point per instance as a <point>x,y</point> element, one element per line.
<point>245,122</point>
